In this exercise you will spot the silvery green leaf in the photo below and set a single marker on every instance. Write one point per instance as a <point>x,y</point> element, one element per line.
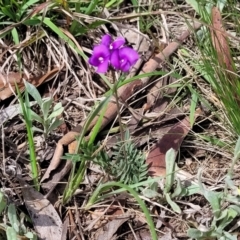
<point>227,216</point>
<point>46,104</point>
<point>57,110</point>
<point>194,4</point>
<point>173,205</point>
<point>3,201</point>
<point>12,216</point>
<point>11,233</point>
<point>36,117</point>
<point>221,4</point>
<point>30,235</point>
<point>170,164</point>
<point>36,129</point>
<point>149,193</point>
<point>32,90</point>
<point>192,189</point>
<point>55,123</point>
<point>178,190</point>
<point>236,208</point>
<point>194,233</point>
<point>214,198</point>
<point>228,236</point>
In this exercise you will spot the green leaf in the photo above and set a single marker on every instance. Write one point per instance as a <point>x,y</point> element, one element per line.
<point>57,110</point>
<point>11,233</point>
<point>54,28</point>
<point>194,233</point>
<point>149,193</point>
<point>36,117</point>
<point>12,216</point>
<point>214,198</point>
<point>3,201</point>
<point>178,190</point>
<point>170,168</point>
<point>46,104</point>
<point>194,4</point>
<point>26,5</point>
<point>226,217</point>
<point>32,90</point>
<point>173,205</point>
<point>55,123</point>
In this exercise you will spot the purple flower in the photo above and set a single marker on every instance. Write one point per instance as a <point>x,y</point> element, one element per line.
<point>124,58</point>
<point>100,58</point>
<point>114,53</point>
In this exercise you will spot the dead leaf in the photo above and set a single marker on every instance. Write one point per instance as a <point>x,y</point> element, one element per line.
<point>172,139</point>
<point>220,41</point>
<point>7,81</point>
<point>46,220</point>
<point>10,112</point>
<point>107,232</point>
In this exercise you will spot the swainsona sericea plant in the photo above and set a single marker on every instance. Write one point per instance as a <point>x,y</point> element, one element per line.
<point>108,52</point>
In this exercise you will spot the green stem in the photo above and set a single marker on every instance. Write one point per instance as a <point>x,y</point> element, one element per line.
<point>114,89</point>
<point>27,118</point>
<point>106,186</point>
<point>74,181</point>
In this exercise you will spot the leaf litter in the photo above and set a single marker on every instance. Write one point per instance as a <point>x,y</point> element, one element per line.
<point>196,212</point>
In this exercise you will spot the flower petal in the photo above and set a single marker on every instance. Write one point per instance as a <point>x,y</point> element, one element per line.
<point>106,40</point>
<point>103,67</point>
<point>114,60</point>
<point>125,67</point>
<point>129,54</point>
<point>118,43</point>
<point>100,53</point>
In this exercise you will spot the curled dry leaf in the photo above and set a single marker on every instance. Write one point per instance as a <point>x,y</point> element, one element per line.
<point>172,139</point>
<point>7,81</point>
<point>46,220</point>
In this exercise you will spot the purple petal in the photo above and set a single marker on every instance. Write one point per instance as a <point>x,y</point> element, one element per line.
<point>99,55</point>
<point>118,43</point>
<point>125,67</point>
<point>103,67</point>
<point>106,40</point>
<point>115,61</point>
<point>128,54</point>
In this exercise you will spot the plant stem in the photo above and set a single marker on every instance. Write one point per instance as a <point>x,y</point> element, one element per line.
<point>118,112</point>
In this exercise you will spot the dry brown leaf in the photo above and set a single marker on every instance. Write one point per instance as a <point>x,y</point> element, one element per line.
<point>7,81</point>
<point>46,220</point>
<point>107,232</point>
<point>172,139</point>
<point>220,41</point>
